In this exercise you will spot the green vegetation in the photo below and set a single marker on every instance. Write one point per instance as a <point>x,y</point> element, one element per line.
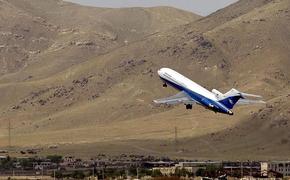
<point>209,171</point>
<point>58,175</point>
<point>156,173</point>
<point>55,158</point>
<point>200,172</point>
<point>78,175</point>
<point>6,163</point>
<point>27,163</point>
<point>183,172</point>
<point>114,173</point>
<point>144,172</point>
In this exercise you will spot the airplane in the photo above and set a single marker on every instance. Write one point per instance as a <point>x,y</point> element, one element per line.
<point>192,93</point>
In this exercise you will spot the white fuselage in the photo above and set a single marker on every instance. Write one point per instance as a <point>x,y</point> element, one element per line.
<point>179,79</point>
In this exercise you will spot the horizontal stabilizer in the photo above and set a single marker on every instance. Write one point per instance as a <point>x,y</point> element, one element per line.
<point>181,97</point>
<point>234,96</point>
<point>250,95</point>
<point>249,101</point>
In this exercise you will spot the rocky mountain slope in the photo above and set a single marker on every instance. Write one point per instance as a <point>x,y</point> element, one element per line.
<point>89,77</point>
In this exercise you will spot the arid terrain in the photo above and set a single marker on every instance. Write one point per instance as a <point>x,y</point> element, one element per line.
<point>84,78</point>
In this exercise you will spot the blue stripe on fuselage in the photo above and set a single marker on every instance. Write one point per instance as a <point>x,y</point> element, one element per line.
<point>199,98</point>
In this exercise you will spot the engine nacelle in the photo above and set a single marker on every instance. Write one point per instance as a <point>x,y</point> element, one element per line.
<point>217,93</point>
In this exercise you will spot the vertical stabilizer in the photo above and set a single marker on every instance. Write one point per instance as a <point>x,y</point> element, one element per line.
<point>231,98</point>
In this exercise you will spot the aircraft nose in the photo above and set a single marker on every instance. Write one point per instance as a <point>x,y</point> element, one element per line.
<point>231,113</point>
<point>159,72</point>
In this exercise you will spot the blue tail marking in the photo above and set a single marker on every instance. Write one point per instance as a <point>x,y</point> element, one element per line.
<point>230,102</point>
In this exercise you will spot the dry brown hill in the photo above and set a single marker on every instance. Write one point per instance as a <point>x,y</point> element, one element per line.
<point>58,38</point>
<point>60,34</point>
<point>105,97</point>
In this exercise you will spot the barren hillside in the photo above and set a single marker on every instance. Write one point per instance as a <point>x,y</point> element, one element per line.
<point>92,81</point>
<point>60,34</point>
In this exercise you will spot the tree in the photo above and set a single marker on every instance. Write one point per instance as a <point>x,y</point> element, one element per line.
<point>55,158</point>
<point>26,163</point>
<point>144,172</point>
<point>78,175</point>
<point>58,175</point>
<point>212,170</point>
<point>6,163</point>
<point>115,172</point>
<point>200,172</point>
<point>182,172</point>
<point>156,173</point>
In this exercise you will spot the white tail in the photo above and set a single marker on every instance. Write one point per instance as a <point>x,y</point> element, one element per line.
<point>218,94</point>
<point>233,96</point>
<point>230,93</point>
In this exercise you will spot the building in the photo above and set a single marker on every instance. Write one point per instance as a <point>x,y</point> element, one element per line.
<point>3,151</point>
<point>3,157</point>
<point>264,169</point>
<point>282,167</point>
<point>158,164</point>
<point>191,166</point>
<point>198,163</point>
<point>166,171</point>
<point>241,169</point>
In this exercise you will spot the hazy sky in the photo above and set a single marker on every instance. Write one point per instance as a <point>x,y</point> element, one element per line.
<point>201,7</point>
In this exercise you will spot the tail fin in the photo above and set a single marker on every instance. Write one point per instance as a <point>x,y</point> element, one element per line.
<point>231,98</point>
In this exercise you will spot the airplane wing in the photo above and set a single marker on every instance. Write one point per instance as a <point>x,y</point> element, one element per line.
<point>181,97</point>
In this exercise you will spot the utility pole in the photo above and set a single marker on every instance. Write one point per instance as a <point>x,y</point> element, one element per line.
<point>176,139</point>
<point>137,172</point>
<point>42,172</point>
<point>241,169</point>
<point>251,169</point>
<point>103,173</point>
<point>127,174</point>
<point>9,135</point>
